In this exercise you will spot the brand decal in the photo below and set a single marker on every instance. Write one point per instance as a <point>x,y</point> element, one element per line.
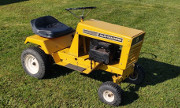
<point>137,39</point>
<point>106,36</point>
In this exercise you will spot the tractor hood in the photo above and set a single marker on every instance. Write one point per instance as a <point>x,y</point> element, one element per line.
<point>113,32</point>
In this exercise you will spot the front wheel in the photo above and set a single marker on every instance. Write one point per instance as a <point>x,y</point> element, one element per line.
<point>35,62</point>
<point>137,77</point>
<point>110,93</point>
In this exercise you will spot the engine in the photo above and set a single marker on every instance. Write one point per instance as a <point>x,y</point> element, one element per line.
<point>104,52</point>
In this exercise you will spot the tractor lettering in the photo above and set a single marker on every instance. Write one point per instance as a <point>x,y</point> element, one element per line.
<point>105,36</point>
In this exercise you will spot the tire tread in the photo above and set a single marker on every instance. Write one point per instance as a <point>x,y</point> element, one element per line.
<point>116,88</point>
<point>43,57</point>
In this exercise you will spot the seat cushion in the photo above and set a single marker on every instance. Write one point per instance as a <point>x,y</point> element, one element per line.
<point>49,27</point>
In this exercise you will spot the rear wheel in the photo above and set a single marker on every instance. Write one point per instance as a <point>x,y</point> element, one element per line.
<point>110,93</point>
<point>35,62</point>
<point>137,77</point>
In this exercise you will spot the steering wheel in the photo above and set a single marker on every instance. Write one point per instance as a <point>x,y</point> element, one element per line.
<point>80,8</point>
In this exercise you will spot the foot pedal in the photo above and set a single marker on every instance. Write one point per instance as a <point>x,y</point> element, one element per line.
<point>74,67</point>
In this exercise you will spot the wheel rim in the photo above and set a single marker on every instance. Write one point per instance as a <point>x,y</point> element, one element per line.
<point>31,64</point>
<point>133,76</point>
<point>108,96</point>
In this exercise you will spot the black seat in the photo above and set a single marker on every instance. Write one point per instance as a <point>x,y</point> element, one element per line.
<point>50,27</point>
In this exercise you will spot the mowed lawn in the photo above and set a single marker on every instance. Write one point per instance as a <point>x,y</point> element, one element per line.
<point>160,55</point>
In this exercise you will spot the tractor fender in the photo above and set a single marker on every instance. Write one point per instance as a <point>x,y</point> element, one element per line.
<point>50,46</point>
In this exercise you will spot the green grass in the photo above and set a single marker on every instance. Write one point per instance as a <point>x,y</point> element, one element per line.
<point>160,55</point>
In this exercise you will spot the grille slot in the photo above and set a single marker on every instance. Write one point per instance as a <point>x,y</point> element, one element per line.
<point>134,53</point>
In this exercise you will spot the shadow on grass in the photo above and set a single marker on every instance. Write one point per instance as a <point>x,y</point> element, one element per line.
<point>156,72</point>
<point>5,2</point>
<point>57,71</point>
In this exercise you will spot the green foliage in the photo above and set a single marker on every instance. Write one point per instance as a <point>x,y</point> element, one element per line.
<point>160,54</point>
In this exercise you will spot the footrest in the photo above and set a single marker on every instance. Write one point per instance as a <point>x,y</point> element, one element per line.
<point>74,67</point>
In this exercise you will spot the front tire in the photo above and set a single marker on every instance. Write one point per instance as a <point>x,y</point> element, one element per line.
<point>110,93</point>
<point>35,62</point>
<point>138,76</point>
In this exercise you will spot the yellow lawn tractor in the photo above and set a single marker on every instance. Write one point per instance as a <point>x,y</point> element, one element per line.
<point>94,45</point>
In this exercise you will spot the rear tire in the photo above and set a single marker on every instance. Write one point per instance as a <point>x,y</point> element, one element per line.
<point>110,93</point>
<point>138,76</point>
<point>35,62</point>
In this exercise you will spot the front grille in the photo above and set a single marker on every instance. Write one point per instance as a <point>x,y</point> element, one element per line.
<point>134,53</point>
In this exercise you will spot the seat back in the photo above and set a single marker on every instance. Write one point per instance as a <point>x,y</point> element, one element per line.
<point>49,27</point>
<point>43,22</point>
